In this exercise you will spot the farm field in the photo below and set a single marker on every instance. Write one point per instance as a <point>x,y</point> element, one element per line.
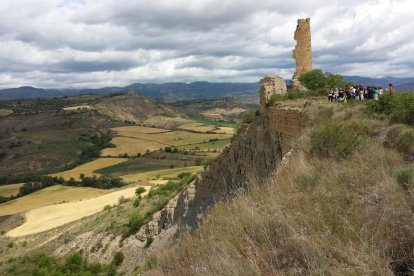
<point>153,161</point>
<point>5,112</point>
<point>138,140</point>
<point>156,177</point>
<point>77,107</point>
<point>88,168</point>
<point>218,113</point>
<point>48,217</point>
<point>207,128</point>
<point>9,190</point>
<point>207,146</point>
<point>49,196</point>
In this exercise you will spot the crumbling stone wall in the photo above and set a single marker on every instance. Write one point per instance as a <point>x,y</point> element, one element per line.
<point>269,86</point>
<point>302,52</point>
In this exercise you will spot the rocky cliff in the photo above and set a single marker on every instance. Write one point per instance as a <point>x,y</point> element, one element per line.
<point>255,154</point>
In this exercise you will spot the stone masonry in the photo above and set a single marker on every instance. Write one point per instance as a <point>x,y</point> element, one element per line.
<point>302,52</point>
<point>269,86</point>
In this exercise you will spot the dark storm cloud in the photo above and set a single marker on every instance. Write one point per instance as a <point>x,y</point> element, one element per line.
<point>93,43</point>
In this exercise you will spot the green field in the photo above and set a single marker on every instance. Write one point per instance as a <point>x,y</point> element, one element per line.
<point>160,174</point>
<point>152,162</point>
<point>207,146</point>
<point>132,140</point>
<point>219,123</point>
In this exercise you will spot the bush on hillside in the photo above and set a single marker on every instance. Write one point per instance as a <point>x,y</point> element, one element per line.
<point>405,177</point>
<point>332,140</point>
<point>40,264</point>
<point>139,190</point>
<point>399,106</point>
<point>118,258</point>
<point>405,144</point>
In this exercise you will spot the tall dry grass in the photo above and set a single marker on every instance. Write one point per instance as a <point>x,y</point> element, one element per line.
<point>316,216</point>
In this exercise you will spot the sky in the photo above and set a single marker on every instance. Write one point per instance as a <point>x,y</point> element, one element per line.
<point>98,43</point>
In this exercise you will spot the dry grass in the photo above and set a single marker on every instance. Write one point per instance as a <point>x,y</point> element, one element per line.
<point>48,217</point>
<point>88,168</point>
<point>9,190</point>
<point>48,196</point>
<point>157,177</point>
<point>316,216</point>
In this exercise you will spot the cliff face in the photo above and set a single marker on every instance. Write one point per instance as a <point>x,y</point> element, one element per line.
<point>255,154</point>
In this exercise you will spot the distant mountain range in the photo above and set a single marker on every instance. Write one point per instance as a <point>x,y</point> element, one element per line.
<point>186,91</point>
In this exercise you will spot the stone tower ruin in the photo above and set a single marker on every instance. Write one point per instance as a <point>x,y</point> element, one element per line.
<point>302,52</point>
<point>269,86</point>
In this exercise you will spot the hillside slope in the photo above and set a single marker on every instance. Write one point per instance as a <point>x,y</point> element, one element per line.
<point>341,205</point>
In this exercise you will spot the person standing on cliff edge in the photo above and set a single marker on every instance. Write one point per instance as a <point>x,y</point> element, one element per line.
<point>391,89</point>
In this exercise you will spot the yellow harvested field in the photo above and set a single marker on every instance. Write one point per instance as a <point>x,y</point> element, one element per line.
<point>136,139</point>
<point>77,107</point>
<point>49,217</point>
<point>218,113</point>
<point>204,128</point>
<point>9,190</point>
<point>5,112</point>
<point>131,146</point>
<point>154,177</point>
<point>48,196</point>
<point>88,168</point>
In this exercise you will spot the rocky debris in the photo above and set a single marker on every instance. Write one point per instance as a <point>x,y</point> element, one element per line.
<point>269,86</point>
<point>302,52</point>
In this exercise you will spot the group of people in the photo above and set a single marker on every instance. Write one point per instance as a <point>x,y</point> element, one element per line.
<point>358,93</point>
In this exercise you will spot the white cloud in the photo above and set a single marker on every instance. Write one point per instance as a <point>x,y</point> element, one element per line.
<point>95,43</point>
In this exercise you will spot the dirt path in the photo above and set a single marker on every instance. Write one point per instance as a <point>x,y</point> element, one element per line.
<point>48,217</point>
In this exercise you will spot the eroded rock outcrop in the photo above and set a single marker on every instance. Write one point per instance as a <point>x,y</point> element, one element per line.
<point>255,154</point>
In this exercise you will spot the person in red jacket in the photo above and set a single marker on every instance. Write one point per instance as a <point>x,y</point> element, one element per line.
<point>391,89</point>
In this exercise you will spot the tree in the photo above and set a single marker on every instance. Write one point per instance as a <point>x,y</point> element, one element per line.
<point>335,80</point>
<point>314,79</point>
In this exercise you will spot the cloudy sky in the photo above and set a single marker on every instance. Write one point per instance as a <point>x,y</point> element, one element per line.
<point>96,43</point>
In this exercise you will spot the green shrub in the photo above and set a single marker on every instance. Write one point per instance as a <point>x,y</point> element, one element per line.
<point>405,177</point>
<point>149,241</point>
<point>405,143</point>
<point>74,263</point>
<point>137,202</point>
<point>249,117</point>
<point>307,181</point>
<point>135,223</point>
<point>139,190</point>
<point>314,79</point>
<point>400,106</point>
<point>118,258</point>
<point>333,141</point>
<point>393,134</point>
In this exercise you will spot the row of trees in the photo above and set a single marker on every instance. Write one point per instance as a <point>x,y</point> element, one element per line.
<point>102,182</point>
